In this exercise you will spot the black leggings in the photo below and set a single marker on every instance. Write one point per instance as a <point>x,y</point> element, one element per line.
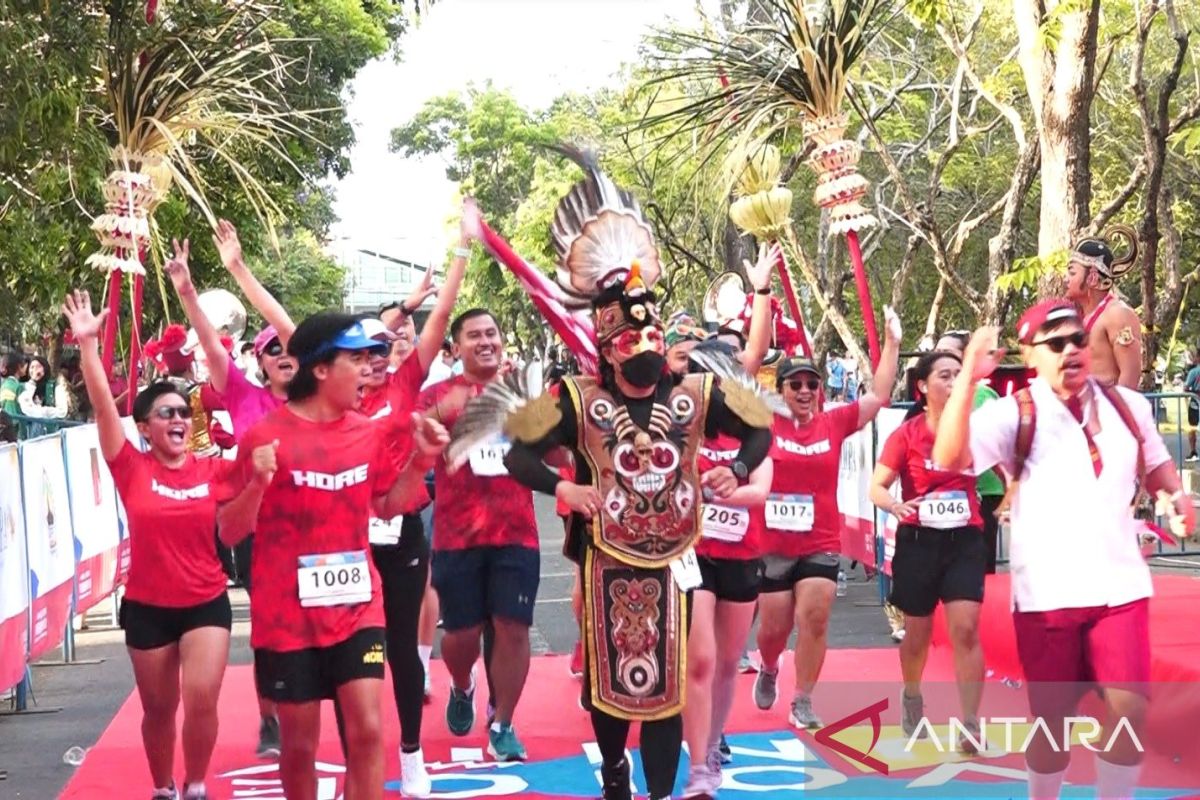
<point>661,743</point>
<point>403,568</point>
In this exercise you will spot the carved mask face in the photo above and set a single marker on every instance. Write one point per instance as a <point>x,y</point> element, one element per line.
<point>643,448</point>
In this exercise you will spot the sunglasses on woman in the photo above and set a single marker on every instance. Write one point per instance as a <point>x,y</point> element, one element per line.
<point>274,350</point>
<point>171,412</point>
<point>796,385</point>
<point>1059,343</point>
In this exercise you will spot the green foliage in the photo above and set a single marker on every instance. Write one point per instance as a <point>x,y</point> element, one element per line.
<point>301,276</point>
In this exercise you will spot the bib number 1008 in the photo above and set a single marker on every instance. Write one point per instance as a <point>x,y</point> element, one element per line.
<point>334,579</point>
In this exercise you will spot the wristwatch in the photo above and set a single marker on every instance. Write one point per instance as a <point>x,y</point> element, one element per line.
<point>740,471</point>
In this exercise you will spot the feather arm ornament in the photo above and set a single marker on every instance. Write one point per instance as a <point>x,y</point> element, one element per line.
<point>744,395</point>
<point>503,408</point>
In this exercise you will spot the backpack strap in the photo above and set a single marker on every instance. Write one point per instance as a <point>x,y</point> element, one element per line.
<point>1126,414</point>
<point>1026,426</point>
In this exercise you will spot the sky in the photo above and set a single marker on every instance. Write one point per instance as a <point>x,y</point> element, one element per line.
<point>538,49</point>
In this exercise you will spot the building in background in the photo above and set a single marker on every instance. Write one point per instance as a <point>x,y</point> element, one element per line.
<point>375,278</point>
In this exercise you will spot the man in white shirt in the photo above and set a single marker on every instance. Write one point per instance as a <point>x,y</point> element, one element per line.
<point>1080,586</point>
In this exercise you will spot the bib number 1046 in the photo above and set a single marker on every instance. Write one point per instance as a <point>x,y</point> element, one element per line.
<point>945,510</point>
<point>334,579</point>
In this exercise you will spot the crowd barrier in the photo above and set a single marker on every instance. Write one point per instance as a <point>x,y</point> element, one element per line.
<point>63,547</point>
<point>35,427</point>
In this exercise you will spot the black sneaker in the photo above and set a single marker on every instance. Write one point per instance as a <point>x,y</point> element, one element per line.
<point>723,749</point>
<point>616,781</point>
<point>268,738</point>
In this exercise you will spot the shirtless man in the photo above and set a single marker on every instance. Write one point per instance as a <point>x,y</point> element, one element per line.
<point>1114,330</point>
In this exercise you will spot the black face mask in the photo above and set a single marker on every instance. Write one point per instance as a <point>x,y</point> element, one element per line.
<point>644,370</point>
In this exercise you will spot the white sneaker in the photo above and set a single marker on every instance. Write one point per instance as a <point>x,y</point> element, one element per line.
<point>414,780</point>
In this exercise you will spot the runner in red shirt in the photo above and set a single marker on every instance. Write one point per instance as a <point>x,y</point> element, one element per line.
<point>176,613</point>
<point>729,554</point>
<point>803,535</point>
<point>940,552</point>
<point>317,620</point>
<point>399,548</point>
<point>486,560</point>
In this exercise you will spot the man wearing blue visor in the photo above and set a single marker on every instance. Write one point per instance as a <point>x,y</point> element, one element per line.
<point>317,623</point>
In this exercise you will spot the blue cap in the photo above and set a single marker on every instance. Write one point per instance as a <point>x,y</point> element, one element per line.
<point>353,338</point>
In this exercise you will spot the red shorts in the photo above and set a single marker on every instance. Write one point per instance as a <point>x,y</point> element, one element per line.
<point>1065,651</point>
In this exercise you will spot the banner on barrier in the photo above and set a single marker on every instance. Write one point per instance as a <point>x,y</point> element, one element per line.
<point>14,572</point>
<point>93,516</point>
<point>49,542</point>
<point>123,550</point>
<point>854,500</point>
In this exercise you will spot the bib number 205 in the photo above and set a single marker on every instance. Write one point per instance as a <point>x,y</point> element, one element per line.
<point>725,523</point>
<point>334,579</point>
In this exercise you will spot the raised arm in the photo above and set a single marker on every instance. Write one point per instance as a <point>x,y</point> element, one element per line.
<point>86,327</point>
<point>210,340</point>
<point>757,487</point>
<point>884,379</point>
<point>430,343</point>
<point>226,239</point>
<point>759,339</point>
<point>952,445</point>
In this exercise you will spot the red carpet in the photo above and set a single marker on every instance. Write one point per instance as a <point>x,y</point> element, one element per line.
<point>770,758</point>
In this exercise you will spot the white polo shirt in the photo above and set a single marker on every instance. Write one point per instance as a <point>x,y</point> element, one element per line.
<point>1073,535</point>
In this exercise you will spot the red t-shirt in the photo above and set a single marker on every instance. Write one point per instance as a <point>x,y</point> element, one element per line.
<point>806,466</point>
<point>471,509</point>
<point>909,451</point>
<point>172,527</point>
<point>723,523</point>
<point>318,504</point>
<point>399,394</point>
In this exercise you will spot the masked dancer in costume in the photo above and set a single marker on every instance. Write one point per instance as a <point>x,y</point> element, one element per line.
<point>635,431</point>
<point>1114,330</point>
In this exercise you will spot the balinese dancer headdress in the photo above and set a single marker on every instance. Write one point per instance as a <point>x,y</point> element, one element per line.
<point>606,251</point>
<point>1096,254</point>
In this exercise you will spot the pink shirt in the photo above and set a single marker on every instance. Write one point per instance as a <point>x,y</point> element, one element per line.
<point>245,402</point>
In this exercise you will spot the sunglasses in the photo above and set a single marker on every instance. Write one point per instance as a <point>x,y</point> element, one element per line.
<point>171,412</point>
<point>1059,343</point>
<point>274,349</point>
<point>796,385</point>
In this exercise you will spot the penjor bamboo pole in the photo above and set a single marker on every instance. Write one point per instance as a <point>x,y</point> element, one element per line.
<point>864,297</point>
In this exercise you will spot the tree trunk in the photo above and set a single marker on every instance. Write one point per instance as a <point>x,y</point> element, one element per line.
<point>1060,87</point>
<point>1002,246</point>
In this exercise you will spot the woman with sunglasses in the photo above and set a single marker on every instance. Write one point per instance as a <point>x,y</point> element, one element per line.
<point>176,613</point>
<point>802,540</point>
<point>940,553</point>
<point>722,607</point>
<point>245,402</point>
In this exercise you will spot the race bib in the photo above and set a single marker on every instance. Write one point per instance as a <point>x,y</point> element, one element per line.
<point>944,510</point>
<point>385,532</point>
<point>334,579</point>
<point>790,512</point>
<point>488,460</point>
<point>725,523</point>
<point>686,571</point>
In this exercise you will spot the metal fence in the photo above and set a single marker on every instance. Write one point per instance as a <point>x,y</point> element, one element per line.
<point>33,427</point>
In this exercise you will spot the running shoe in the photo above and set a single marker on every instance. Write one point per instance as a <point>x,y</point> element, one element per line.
<point>745,665</point>
<point>169,793</point>
<point>460,710</point>
<point>766,692</point>
<point>802,715</point>
<point>969,738</point>
<point>724,751</point>
<point>616,781</point>
<point>577,660</point>
<point>414,780</point>
<point>913,712</point>
<point>196,793</point>
<point>268,738</point>
<point>702,783</point>
<point>503,744</point>
<point>1193,456</point>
